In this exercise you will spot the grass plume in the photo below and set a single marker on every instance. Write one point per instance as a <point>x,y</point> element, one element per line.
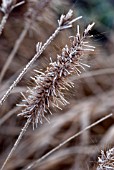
<point>49,85</point>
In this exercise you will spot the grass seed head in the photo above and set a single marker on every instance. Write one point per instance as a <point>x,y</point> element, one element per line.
<point>49,86</point>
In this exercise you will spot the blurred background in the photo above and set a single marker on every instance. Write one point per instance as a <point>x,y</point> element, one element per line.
<point>91,98</point>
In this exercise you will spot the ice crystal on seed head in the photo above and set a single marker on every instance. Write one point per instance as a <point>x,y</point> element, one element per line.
<point>49,86</point>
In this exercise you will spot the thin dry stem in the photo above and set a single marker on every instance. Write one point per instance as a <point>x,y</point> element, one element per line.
<point>3,22</point>
<point>35,163</point>
<point>6,7</point>
<point>14,51</point>
<point>17,142</point>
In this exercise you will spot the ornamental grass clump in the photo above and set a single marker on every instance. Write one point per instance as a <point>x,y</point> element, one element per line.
<point>49,86</point>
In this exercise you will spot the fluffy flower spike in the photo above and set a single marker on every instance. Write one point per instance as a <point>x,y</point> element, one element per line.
<point>49,86</point>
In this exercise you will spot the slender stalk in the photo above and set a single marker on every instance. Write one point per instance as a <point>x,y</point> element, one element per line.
<point>6,7</point>
<point>17,142</point>
<point>29,65</point>
<point>8,115</point>
<point>35,163</point>
<point>14,51</point>
<point>3,22</point>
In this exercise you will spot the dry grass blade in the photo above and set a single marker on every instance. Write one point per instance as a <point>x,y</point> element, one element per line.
<point>3,22</point>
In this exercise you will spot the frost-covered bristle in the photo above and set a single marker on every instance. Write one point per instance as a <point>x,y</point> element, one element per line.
<point>49,86</point>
